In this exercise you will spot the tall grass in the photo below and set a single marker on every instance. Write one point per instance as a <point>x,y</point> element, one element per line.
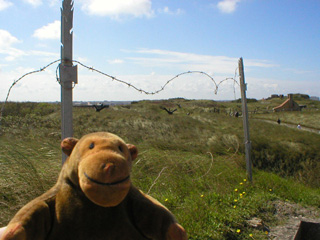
<point>288,152</point>
<point>191,161</point>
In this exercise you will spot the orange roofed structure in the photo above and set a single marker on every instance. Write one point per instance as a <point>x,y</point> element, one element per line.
<point>288,105</point>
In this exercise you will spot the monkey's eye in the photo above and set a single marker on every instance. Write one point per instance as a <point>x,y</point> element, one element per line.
<point>120,148</point>
<point>91,146</point>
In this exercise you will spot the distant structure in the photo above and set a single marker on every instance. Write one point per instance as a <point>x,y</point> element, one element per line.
<point>314,98</point>
<point>276,96</point>
<point>288,105</point>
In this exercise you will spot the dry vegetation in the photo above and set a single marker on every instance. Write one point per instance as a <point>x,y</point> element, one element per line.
<point>191,160</point>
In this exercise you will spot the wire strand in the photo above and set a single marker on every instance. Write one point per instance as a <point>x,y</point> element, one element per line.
<point>118,80</point>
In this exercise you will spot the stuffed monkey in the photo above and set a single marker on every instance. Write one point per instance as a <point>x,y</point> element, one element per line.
<point>94,199</point>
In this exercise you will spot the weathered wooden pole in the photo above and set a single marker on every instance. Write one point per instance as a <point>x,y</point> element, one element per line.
<point>243,87</point>
<point>68,72</point>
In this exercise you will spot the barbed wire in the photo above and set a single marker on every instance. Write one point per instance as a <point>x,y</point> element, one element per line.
<point>118,80</point>
<point>19,79</point>
<point>164,86</point>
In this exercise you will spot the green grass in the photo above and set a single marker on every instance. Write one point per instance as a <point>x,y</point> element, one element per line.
<point>192,161</point>
<point>305,118</point>
<point>308,117</point>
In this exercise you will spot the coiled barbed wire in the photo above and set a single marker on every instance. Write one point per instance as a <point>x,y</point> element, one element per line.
<point>116,79</point>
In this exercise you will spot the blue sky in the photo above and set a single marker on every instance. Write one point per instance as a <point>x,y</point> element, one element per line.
<point>147,42</point>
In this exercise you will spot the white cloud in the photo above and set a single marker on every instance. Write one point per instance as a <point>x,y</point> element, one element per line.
<point>6,39</point>
<point>259,63</point>
<point>52,55</point>
<point>11,53</point>
<point>228,6</point>
<point>14,53</point>
<point>5,4</point>
<point>35,87</point>
<point>179,61</point>
<point>94,86</point>
<point>50,31</point>
<point>34,3</point>
<point>116,9</point>
<point>82,59</point>
<point>53,3</point>
<point>166,10</point>
<point>218,67</point>
<point>116,61</point>
<point>6,42</point>
<point>263,87</point>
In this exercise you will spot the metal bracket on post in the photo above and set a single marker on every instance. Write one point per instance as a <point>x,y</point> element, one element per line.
<point>69,73</point>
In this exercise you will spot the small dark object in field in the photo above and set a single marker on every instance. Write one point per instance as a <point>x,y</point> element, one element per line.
<point>169,111</point>
<point>100,107</point>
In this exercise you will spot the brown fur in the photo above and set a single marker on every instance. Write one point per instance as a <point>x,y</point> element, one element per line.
<point>95,199</point>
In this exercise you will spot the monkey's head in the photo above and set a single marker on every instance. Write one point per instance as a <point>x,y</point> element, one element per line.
<point>100,164</point>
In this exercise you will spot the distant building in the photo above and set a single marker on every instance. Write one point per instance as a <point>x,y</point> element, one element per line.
<point>276,96</point>
<point>314,98</point>
<point>288,105</point>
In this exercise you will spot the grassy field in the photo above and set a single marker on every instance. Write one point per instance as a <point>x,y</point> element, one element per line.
<point>192,161</point>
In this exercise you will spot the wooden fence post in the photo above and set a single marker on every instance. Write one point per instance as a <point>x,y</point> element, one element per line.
<point>243,87</point>
<point>68,72</point>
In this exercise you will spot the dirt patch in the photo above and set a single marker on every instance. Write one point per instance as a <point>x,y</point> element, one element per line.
<point>303,128</point>
<point>290,215</point>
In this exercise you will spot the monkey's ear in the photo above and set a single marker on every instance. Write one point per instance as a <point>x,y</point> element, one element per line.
<point>133,151</point>
<point>68,144</point>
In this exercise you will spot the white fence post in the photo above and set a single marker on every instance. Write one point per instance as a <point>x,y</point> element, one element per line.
<point>243,87</point>
<point>68,72</point>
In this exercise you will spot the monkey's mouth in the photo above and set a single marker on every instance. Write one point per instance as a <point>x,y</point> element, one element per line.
<point>107,184</point>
